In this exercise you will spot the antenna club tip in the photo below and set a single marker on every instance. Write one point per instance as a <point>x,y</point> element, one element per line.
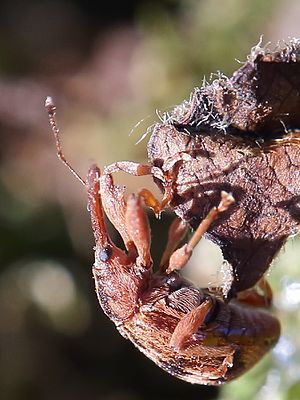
<point>49,105</point>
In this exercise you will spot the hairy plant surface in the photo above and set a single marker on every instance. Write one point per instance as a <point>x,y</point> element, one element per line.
<point>239,134</point>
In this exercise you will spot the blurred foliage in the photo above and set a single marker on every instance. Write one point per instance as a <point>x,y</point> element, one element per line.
<point>108,67</point>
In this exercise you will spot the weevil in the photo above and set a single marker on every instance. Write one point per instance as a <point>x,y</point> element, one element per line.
<point>187,331</point>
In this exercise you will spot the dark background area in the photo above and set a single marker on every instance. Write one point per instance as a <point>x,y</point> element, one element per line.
<point>108,66</point>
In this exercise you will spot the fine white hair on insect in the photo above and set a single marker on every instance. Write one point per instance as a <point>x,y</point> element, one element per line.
<point>145,134</point>
<point>138,124</point>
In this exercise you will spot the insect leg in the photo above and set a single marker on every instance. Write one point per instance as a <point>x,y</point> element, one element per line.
<point>114,205</point>
<point>181,256</point>
<point>128,217</point>
<point>130,167</point>
<point>138,169</point>
<point>190,324</point>
<point>176,233</point>
<point>138,228</point>
<point>254,298</point>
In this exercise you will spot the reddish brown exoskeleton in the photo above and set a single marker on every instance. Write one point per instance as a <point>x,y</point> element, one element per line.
<point>185,330</point>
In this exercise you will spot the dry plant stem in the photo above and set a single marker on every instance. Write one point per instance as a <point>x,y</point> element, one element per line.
<point>51,110</point>
<point>181,256</point>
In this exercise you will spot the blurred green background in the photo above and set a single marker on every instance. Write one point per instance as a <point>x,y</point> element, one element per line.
<point>111,68</point>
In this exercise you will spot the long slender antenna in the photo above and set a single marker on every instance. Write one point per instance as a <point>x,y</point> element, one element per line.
<point>51,110</point>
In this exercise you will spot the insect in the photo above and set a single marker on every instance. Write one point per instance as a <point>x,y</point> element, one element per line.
<point>189,332</point>
<point>240,135</point>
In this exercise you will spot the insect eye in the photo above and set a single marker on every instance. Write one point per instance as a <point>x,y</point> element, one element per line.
<point>105,254</point>
<point>174,281</point>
